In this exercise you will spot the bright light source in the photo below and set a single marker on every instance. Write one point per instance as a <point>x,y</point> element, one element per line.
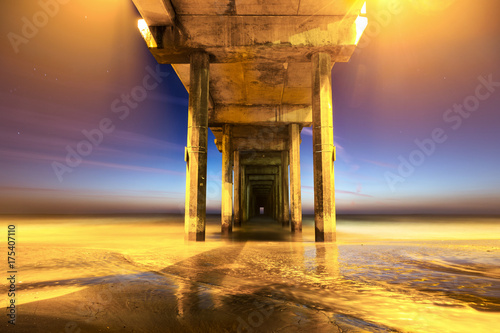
<point>146,33</point>
<point>361,23</point>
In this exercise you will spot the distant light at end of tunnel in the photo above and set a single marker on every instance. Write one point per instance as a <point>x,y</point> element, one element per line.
<point>361,23</point>
<point>146,33</point>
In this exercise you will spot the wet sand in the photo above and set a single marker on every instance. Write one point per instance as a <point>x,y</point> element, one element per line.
<point>136,274</point>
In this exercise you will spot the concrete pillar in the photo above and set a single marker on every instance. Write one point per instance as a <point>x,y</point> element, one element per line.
<point>196,150</point>
<point>296,203</point>
<point>323,149</point>
<point>244,196</point>
<point>237,189</point>
<point>227,182</point>
<point>284,188</point>
<point>276,197</point>
<point>279,190</point>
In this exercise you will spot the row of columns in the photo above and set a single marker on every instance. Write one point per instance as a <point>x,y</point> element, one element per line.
<point>245,200</point>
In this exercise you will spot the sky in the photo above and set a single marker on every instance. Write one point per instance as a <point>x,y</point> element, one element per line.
<point>416,113</point>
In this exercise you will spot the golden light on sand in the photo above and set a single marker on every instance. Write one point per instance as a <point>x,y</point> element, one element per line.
<point>108,273</point>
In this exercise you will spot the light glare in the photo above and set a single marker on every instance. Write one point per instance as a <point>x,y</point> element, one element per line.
<point>361,23</point>
<point>146,33</point>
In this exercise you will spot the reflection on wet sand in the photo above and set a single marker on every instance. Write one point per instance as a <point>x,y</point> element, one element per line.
<point>138,275</point>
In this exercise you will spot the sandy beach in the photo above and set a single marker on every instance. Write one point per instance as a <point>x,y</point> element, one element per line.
<point>136,274</point>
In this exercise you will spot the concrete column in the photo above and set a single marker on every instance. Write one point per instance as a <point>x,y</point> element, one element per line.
<point>276,198</point>
<point>323,149</point>
<point>244,196</point>
<point>296,204</point>
<point>284,188</point>
<point>237,189</point>
<point>279,190</point>
<point>196,150</point>
<point>227,182</point>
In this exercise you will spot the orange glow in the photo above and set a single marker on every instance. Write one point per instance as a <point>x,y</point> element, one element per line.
<point>431,6</point>
<point>146,33</point>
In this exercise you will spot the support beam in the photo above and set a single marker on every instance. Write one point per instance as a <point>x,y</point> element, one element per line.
<point>279,193</point>
<point>196,150</point>
<point>295,178</point>
<point>284,188</point>
<point>297,35</point>
<point>265,115</point>
<point>244,195</point>
<point>237,189</point>
<point>156,12</point>
<point>227,182</point>
<point>261,170</point>
<point>260,143</point>
<point>260,158</point>
<point>323,149</point>
<point>262,177</point>
<point>276,199</point>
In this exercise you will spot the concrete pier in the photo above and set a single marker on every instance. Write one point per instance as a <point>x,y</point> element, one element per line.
<point>295,189</point>
<point>270,77</point>
<point>196,150</point>
<point>244,195</point>
<point>237,187</point>
<point>227,181</point>
<point>323,150</point>
<point>284,189</point>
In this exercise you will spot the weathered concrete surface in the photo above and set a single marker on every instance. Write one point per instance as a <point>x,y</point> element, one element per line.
<point>196,150</point>
<point>260,158</point>
<point>260,50</point>
<point>237,188</point>
<point>156,13</point>
<point>323,150</point>
<point>227,181</point>
<point>284,188</point>
<point>284,38</point>
<point>296,202</point>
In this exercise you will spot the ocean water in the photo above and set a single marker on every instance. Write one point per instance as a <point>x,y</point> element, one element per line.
<point>137,274</point>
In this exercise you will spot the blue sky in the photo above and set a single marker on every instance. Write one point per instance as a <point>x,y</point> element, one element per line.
<point>413,69</point>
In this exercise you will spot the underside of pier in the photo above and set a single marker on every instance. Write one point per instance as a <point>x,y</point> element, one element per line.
<point>257,72</point>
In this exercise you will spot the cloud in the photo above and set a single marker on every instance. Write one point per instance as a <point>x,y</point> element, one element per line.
<point>134,168</point>
<point>382,164</point>
<point>26,156</point>
<point>310,189</point>
<point>354,193</point>
<point>307,131</point>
